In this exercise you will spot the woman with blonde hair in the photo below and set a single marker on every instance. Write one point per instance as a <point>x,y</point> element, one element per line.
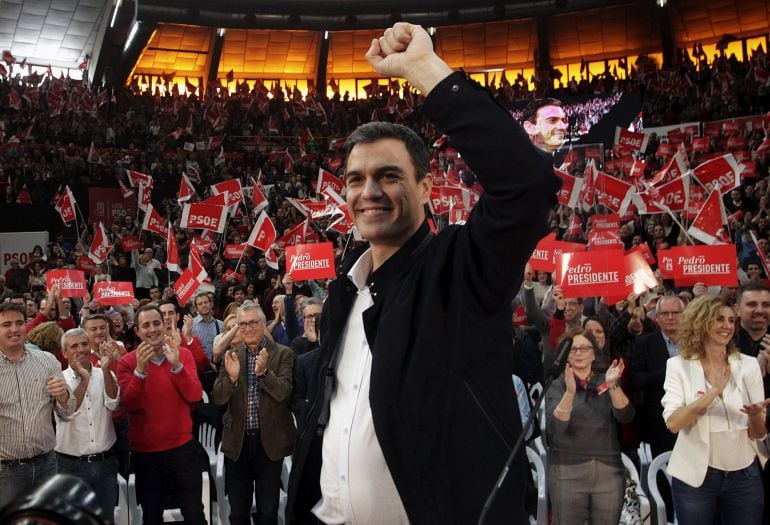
<point>229,338</point>
<point>714,401</point>
<point>47,337</point>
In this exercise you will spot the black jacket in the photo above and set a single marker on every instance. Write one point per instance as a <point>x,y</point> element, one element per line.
<point>443,404</point>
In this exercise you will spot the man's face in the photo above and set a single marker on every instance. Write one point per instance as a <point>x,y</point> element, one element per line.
<point>668,313</point>
<point>203,305</point>
<point>98,331</point>
<point>170,317</point>
<point>150,328</point>
<point>384,198</point>
<point>754,310</point>
<point>31,308</point>
<point>754,272</point>
<point>309,313</point>
<point>155,294</point>
<point>239,296</point>
<point>12,330</point>
<point>573,310</point>
<point>252,326</point>
<point>549,129</point>
<point>78,347</point>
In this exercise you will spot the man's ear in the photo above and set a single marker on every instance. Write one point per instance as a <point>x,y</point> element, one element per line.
<point>529,127</point>
<point>426,184</point>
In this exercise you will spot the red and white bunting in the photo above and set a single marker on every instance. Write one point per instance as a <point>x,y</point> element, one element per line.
<point>722,172</point>
<point>204,216</point>
<point>172,251</point>
<point>263,234</point>
<point>153,222</point>
<point>708,226</point>
<point>100,247</point>
<point>186,189</point>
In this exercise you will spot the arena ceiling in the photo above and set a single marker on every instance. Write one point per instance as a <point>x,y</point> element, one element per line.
<point>283,36</point>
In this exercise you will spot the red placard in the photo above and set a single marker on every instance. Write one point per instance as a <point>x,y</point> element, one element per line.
<point>541,259</point>
<point>604,240</point>
<point>130,243</point>
<point>234,251</point>
<point>186,286</point>
<point>638,277</point>
<point>310,261</point>
<point>712,265</point>
<point>591,274</point>
<point>72,282</point>
<point>666,264</point>
<point>644,249</point>
<point>113,292</point>
<point>609,221</point>
<point>630,139</point>
<point>204,216</point>
<point>108,205</point>
<point>85,264</point>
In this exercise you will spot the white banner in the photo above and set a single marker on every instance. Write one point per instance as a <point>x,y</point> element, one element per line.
<point>20,245</point>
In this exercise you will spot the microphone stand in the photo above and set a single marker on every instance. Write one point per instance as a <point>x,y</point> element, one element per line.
<point>556,369</point>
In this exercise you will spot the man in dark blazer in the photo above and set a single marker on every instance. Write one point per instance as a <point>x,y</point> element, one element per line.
<point>413,401</point>
<point>648,373</point>
<point>255,384</point>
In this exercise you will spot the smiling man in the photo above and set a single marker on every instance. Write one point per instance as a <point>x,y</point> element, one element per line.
<point>546,123</point>
<point>414,404</point>
<point>158,384</point>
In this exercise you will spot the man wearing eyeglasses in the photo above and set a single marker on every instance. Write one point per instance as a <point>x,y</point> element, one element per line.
<point>648,371</point>
<point>255,384</point>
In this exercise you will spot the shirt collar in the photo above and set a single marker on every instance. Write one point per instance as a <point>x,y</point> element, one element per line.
<point>360,271</point>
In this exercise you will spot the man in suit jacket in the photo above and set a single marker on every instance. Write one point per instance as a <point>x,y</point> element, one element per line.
<point>648,371</point>
<point>255,384</point>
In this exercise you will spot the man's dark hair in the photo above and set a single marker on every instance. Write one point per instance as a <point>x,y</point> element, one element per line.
<point>239,288</point>
<point>374,131</point>
<point>97,317</point>
<point>201,295</point>
<point>530,112</point>
<point>169,301</point>
<point>751,287</point>
<point>146,308</point>
<point>11,307</point>
<point>17,295</point>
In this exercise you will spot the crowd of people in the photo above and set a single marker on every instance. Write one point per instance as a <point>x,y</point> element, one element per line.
<point>678,368</point>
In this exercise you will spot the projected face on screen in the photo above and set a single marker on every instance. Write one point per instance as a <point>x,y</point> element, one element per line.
<point>549,129</point>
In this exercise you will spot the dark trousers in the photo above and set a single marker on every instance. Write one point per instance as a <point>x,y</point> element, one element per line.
<point>155,471</point>
<point>253,474</point>
<point>101,476</point>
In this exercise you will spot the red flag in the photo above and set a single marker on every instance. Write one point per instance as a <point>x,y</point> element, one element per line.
<point>220,199</point>
<point>722,172</point>
<point>613,193</point>
<point>145,196</point>
<point>263,234</point>
<point>186,189</point>
<point>23,196</point>
<point>216,142</point>
<point>195,265</point>
<point>66,206</point>
<point>8,58</point>
<point>674,168</point>
<point>708,226</point>
<point>233,189</point>
<point>672,196</point>
<point>326,179</point>
<point>575,225</point>
<point>587,191</point>
<point>135,178</point>
<point>172,251</point>
<point>193,172</point>
<point>204,216</point>
<point>100,247</point>
<point>153,222</point>
<point>258,200</point>
<point>110,293</point>
<point>125,191</point>
<point>630,139</point>
<point>570,188</point>
<point>186,286</point>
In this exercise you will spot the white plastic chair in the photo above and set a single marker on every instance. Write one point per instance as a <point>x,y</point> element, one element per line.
<point>659,506</point>
<point>538,473</point>
<point>207,437</point>
<point>536,388</point>
<point>644,501</point>
<point>121,514</point>
<point>645,458</point>
<point>169,515</point>
<point>205,397</point>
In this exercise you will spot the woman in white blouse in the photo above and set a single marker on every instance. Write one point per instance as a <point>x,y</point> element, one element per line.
<point>715,402</point>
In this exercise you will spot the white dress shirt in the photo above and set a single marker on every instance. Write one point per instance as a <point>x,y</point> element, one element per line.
<point>89,430</point>
<point>356,485</point>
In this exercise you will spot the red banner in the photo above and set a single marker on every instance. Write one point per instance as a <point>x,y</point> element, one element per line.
<point>715,265</point>
<point>129,243</point>
<point>542,256</point>
<point>72,282</point>
<point>638,277</point>
<point>234,251</point>
<point>672,196</point>
<point>186,286</point>
<point>644,249</point>
<point>233,189</point>
<point>610,221</point>
<point>701,145</point>
<point>327,179</point>
<point>723,172</point>
<point>204,216</point>
<point>108,206</point>
<point>263,234</point>
<point>85,264</point>
<point>310,261</point>
<point>591,274</point>
<point>630,139</point>
<point>111,293</point>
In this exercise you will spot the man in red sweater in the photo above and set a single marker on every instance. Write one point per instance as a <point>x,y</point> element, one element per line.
<point>158,382</point>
